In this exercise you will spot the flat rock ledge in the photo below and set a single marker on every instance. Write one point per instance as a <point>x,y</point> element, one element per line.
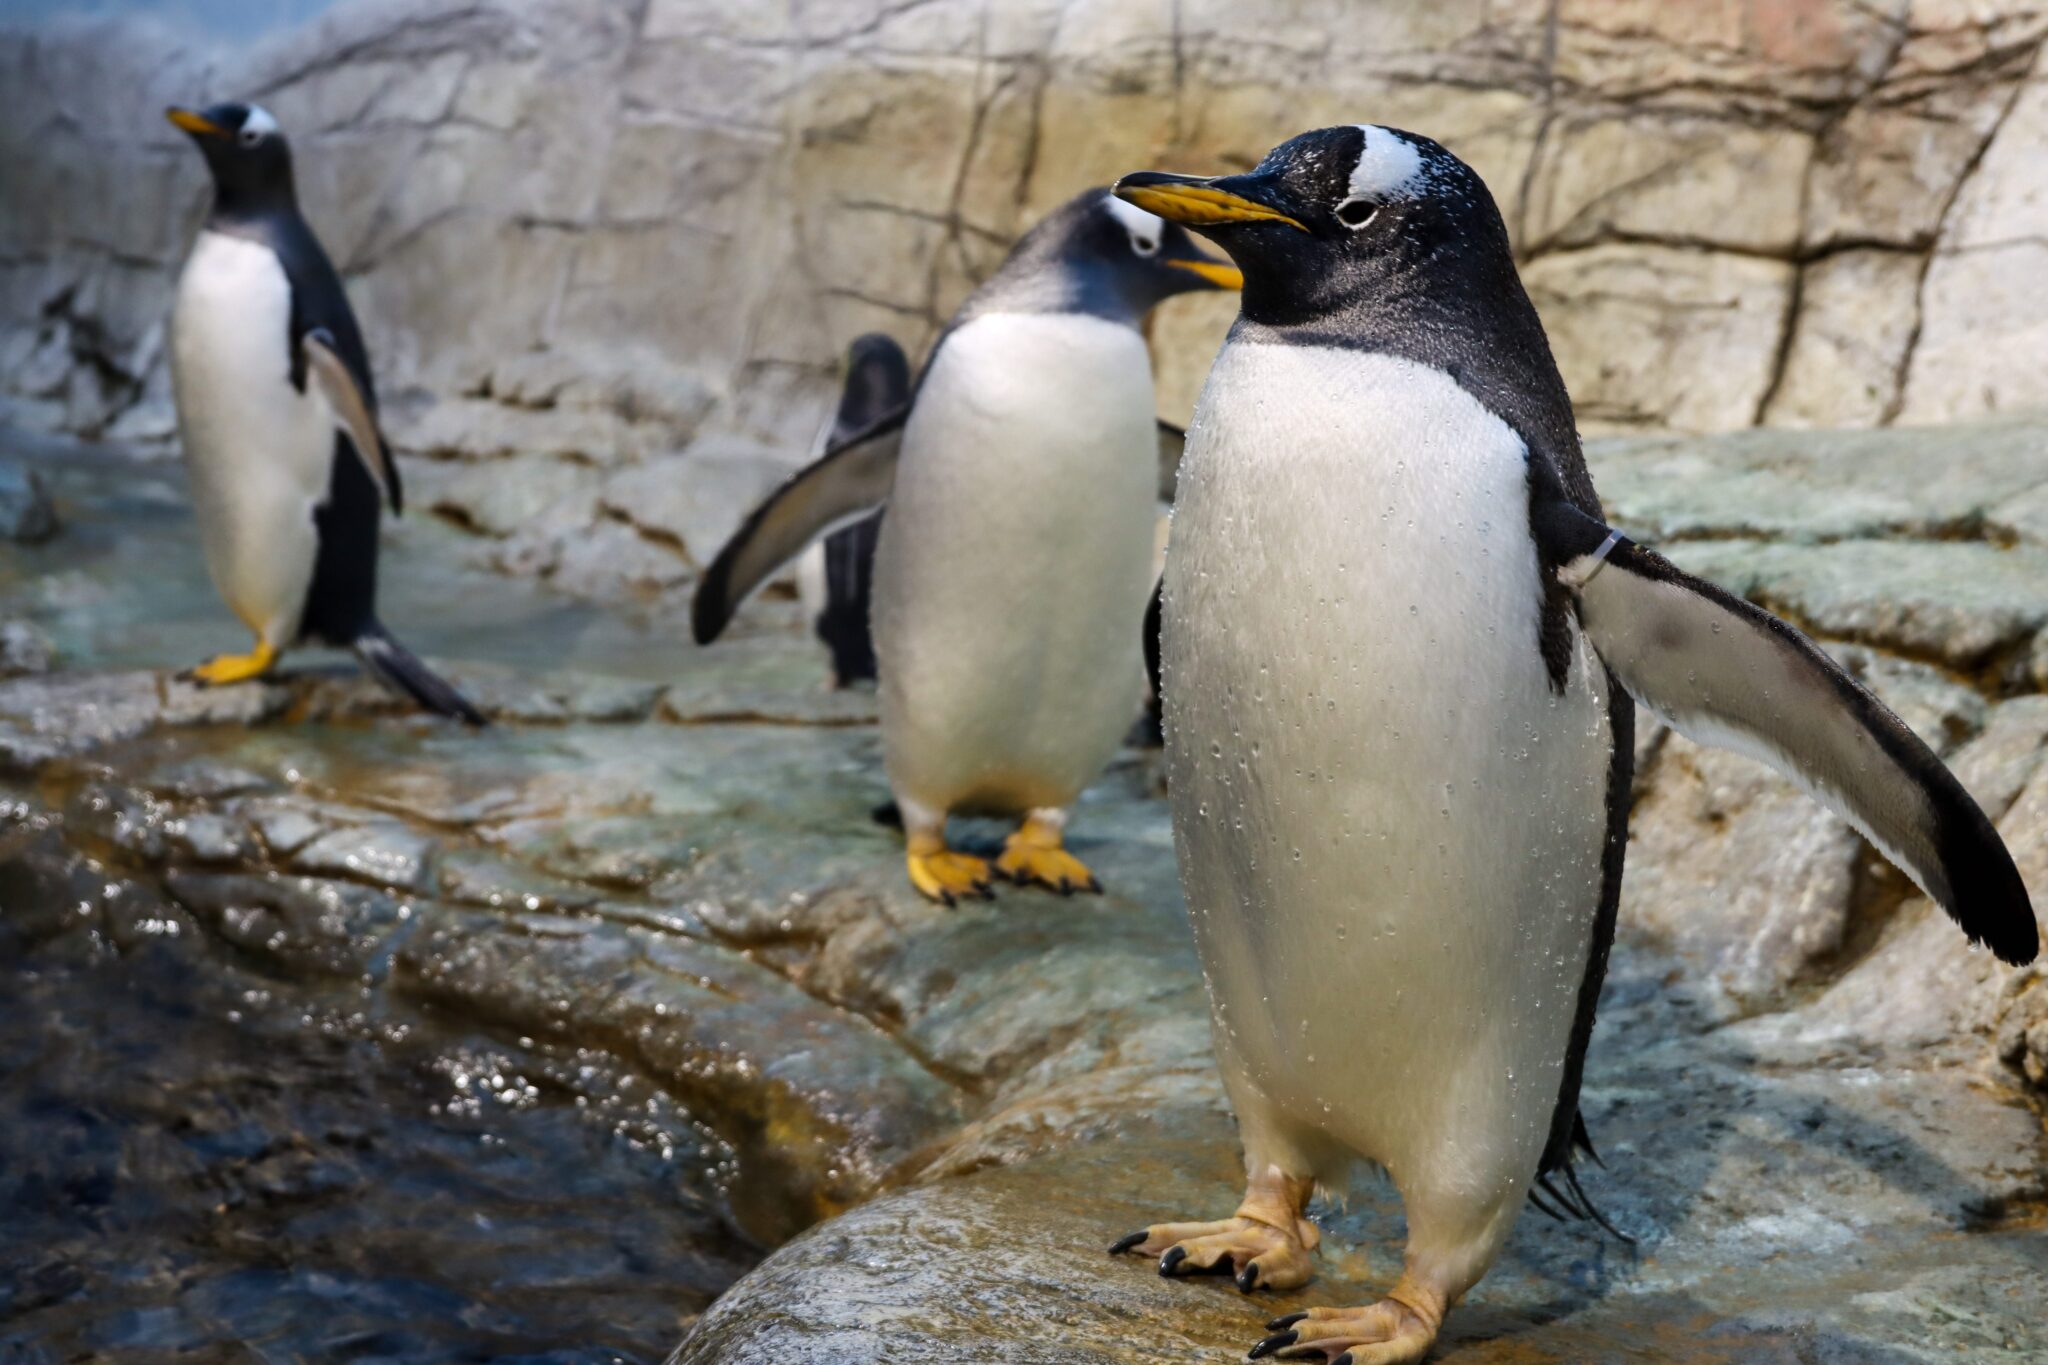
<point>1820,1112</point>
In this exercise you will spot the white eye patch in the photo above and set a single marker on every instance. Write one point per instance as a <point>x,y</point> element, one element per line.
<point>1389,167</point>
<point>1147,229</point>
<point>258,125</point>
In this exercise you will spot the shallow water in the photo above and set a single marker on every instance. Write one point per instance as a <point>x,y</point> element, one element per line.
<point>205,1160</point>
<point>212,1163</point>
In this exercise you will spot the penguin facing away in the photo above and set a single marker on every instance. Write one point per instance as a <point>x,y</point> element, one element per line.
<point>278,419</point>
<point>836,575</point>
<point>1399,648</point>
<point>1013,567</point>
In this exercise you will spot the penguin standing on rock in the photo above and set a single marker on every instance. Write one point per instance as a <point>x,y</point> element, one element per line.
<point>278,420</point>
<point>1010,582</point>
<point>1399,650</point>
<point>836,576</point>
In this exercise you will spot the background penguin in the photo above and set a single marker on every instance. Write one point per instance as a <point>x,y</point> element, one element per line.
<point>1399,646</point>
<point>835,577</point>
<point>1013,568</point>
<point>278,419</point>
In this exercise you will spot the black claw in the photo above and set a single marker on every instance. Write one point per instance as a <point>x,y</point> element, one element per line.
<point>1066,888</point>
<point>1282,1324</point>
<point>1344,1359</point>
<point>1173,1257</point>
<point>1094,886</point>
<point>946,898</point>
<point>1123,1244</point>
<point>1248,1278</point>
<point>1278,1341</point>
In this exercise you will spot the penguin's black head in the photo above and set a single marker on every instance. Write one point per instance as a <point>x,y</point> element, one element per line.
<point>1097,254</point>
<point>245,150</point>
<point>1331,217</point>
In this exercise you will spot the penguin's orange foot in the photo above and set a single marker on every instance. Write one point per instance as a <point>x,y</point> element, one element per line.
<point>946,876</point>
<point>1390,1332</point>
<point>1257,1255</point>
<point>1036,854</point>
<point>234,668</point>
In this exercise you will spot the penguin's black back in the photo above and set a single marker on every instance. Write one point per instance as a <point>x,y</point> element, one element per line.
<point>341,602</point>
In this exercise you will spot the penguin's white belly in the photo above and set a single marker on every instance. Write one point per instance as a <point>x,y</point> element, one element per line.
<point>259,451</point>
<point>1389,823</point>
<point>1015,563</point>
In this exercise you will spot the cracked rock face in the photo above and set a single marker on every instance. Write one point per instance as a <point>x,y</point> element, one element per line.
<point>608,256</point>
<point>655,877</point>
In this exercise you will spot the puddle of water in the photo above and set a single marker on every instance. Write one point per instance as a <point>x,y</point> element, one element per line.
<point>194,1158</point>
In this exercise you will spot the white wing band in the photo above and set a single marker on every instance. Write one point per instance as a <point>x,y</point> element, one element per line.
<point>1596,561</point>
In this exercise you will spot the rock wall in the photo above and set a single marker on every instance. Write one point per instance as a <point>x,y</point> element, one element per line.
<point>623,243</point>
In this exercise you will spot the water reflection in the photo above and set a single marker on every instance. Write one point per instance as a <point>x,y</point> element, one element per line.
<point>197,1159</point>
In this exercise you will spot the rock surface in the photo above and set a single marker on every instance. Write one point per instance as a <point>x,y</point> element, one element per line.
<point>604,252</point>
<point>1821,1112</point>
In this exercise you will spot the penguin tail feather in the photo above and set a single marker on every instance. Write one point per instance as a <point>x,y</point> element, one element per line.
<point>403,672</point>
<point>1569,1197</point>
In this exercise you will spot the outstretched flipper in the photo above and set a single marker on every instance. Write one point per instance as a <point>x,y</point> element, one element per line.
<point>851,478</point>
<point>401,670</point>
<point>1723,672</point>
<point>354,412</point>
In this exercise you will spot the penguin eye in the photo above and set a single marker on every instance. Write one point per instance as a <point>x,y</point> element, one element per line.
<point>1356,213</point>
<point>1144,246</point>
<point>249,137</point>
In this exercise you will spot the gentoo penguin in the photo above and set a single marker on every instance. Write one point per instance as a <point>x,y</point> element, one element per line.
<point>1399,647</point>
<point>1011,577</point>
<point>278,419</point>
<point>835,576</point>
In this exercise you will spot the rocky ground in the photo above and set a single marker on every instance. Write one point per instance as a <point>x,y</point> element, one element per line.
<point>1821,1114</point>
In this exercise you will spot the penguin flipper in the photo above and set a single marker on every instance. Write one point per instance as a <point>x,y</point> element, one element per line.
<point>1173,443</point>
<point>850,479</point>
<point>352,411</point>
<point>405,673</point>
<point>1723,672</point>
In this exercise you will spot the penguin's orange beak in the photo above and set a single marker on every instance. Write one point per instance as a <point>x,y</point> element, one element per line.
<point>1215,272</point>
<point>199,125</point>
<point>1195,202</point>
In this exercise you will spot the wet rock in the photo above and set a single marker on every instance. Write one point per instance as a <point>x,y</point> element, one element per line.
<point>23,649</point>
<point>52,715</point>
<point>301,924</point>
<point>818,1105</point>
<point>1824,486</point>
<point>957,1267</point>
<point>1967,606</point>
<point>27,515</point>
<point>766,679</point>
<point>385,854</point>
<point>1812,1096</point>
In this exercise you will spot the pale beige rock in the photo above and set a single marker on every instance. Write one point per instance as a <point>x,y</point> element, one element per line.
<point>730,192</point>
<point>694,502</point>
<point>1654,336</point>
<point>1719,183</point>
<point>1981,336</point>
<point>1855,322</point>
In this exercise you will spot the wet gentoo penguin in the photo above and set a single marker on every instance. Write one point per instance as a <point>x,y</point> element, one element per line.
<point>1399,647</point>
<point>1011,578</point>
<point>835,576</point>
<point>278,419</point>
